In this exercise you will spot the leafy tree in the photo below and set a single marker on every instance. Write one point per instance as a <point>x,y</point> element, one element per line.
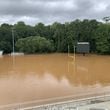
<point>57,35</point>
<point>40,29</point>
<point>6,38</point>
<point>103,39</point>
<point>22,30</point>
<point>34,45</point>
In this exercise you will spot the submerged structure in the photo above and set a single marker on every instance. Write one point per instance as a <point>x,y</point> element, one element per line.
<point>83,47</point>
<point>1,52</point>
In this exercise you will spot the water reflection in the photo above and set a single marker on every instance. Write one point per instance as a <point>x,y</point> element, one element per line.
<point>33,77</point>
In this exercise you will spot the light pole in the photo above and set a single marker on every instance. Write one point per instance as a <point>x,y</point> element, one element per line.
<point>13,40</point>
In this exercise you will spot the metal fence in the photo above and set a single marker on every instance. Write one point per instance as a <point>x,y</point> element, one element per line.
<point>71,105</point>
<point>61,105</point>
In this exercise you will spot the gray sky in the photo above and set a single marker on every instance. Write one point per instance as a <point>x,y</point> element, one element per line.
<point>49,11</point>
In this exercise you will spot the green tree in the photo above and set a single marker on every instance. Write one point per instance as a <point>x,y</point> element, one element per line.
<point>103,39</point>
<point>6,38</point>
<point>34,45</point>
<point>22,30</point>
<point>5,46</point>
<point>59,36</point>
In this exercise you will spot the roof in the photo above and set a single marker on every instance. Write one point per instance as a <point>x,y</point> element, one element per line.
<point>83,43</point>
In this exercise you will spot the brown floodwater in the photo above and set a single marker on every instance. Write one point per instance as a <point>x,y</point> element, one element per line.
<point>38,77</point>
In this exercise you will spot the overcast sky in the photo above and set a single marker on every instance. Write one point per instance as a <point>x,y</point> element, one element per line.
<point>49,11</point>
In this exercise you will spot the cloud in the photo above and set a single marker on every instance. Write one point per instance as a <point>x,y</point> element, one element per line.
<point>49,11</point>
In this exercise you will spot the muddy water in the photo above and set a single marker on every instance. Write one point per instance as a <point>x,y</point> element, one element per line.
<point>35,77</point>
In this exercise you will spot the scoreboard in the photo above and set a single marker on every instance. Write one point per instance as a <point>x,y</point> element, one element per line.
<point>83,47</point>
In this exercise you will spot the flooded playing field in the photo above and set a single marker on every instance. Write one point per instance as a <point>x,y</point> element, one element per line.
<point>36,77</point>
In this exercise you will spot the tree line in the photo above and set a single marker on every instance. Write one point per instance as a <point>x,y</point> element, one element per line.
<point>55,37</point>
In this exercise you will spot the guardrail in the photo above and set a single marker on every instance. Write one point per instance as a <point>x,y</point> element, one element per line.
<point>68,104</point>
<point>71,105</point>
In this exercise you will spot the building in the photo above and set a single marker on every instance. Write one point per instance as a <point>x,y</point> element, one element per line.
<point>83,47</point>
